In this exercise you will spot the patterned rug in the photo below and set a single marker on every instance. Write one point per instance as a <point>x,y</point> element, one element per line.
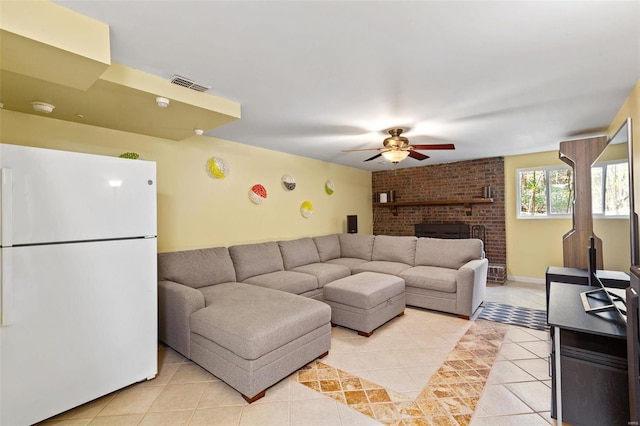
<point>449,398</point>
<point>515,315</point>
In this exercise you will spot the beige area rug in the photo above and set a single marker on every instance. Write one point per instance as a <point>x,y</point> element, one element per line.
<point>449,398</point>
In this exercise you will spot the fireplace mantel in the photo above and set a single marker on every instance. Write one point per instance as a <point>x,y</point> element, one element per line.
<point>467,202</point>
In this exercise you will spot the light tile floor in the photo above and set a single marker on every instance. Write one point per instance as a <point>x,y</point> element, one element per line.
<point>403,361</point>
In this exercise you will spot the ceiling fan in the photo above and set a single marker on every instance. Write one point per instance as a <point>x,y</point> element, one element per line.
<point>396,148</point>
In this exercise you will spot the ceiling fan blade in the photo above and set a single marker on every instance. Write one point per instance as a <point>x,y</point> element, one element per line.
<point>417,155</point>
<point>435,146</point>
<point>373,158</point>
<point>361,149</point>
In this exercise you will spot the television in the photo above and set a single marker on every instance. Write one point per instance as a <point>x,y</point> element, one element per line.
<point>602,299</point>
<point>616,223</point>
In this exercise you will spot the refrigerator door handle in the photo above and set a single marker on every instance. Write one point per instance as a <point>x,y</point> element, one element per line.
<point>6,208</point>
<point>6,288</point>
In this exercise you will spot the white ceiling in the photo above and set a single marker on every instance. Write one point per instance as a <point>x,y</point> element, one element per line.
<point>315,77</point>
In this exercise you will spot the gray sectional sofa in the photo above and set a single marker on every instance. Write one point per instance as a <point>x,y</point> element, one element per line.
<point>238,311</point>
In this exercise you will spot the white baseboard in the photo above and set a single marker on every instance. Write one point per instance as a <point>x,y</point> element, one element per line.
<point>526,279</point>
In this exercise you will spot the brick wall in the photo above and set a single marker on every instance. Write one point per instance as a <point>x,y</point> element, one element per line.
<point>464,179</point>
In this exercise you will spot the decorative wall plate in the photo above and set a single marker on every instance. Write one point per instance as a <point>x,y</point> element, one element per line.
<point>217,168</point>
<point>306,209</point>
<point>130,155</point>
<point>288,182</point>
<point>257,194</point>
<point>329,187</point>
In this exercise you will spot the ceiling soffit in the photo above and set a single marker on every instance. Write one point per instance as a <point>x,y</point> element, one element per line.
<point>42,58</point>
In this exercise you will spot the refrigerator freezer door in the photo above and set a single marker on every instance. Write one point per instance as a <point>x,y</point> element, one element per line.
<point>58,196</point>
<point>84,325</point>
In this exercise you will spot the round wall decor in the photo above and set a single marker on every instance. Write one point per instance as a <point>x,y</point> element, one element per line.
<point>329,187</point>
<point>130,155</point>
<point>217,168</point>
<point>288,182</point>
<point>306,209</point>
<point>257,194</point>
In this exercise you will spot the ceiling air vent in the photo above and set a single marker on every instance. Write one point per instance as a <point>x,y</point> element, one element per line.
<point>189,84</point>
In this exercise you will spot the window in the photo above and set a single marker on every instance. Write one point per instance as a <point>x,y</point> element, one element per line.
<point>610,188</point>
<point>545,192</point>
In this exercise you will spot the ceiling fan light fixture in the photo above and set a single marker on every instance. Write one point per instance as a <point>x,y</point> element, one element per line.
<point>395,156</point>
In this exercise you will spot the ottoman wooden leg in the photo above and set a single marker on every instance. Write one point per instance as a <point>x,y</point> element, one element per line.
<point>255,397</point>
<point>362,333</point>
<point>401,314</point>
<point>323,355</point>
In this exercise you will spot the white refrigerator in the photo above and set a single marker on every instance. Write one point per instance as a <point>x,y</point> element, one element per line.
<point>78,311</point>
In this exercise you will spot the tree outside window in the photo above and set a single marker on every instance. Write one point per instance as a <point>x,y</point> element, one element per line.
<point>533,190</point>
<point>610,188</point>
<point>545,192</point>
<point>561,191</point>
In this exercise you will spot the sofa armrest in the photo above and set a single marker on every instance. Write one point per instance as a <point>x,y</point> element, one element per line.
<point>176,303</point>
<point>471,280</point>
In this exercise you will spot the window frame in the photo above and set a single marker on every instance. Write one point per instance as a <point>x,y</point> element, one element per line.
<point>547,170</point>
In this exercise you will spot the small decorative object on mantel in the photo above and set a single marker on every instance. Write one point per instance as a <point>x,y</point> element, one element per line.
<point>306,209</point>
<point>130,155</point>
<point>329,187</point>
<point>288,182</point>
<point>257,194</point>
<point>217,168</point>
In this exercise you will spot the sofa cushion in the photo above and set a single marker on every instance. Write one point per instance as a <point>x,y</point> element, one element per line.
<point>447,253</point>
<point>365,290</point>
<point>298,252</point>
<point>324,272</point>
<point>394,249</point>
<point>288,281</point>
<point>196,268</point>
<point>210,293</point>
<point>250,260</point>
<point>356,245</point>
<point>382,267</point>
<point>349,262</point>
<point>251,321</point>
<point>328,247</point>
<point>431,278</point>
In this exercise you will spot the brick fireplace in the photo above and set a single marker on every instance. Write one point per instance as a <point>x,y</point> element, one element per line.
<point>459,180</point>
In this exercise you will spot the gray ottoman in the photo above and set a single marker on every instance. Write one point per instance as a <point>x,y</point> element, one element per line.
<point>252,337</point>
<point>365,301</point>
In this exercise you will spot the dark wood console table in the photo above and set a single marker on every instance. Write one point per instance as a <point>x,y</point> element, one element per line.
<point>560,274</point>
<point>588,360</point>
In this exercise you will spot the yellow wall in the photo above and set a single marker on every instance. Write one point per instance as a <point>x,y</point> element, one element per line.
<point>195,210</point>
<point>534,244</point>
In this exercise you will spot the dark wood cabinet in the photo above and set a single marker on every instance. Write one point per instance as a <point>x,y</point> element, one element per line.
<point>591,353</point>
<point>633,345</point>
